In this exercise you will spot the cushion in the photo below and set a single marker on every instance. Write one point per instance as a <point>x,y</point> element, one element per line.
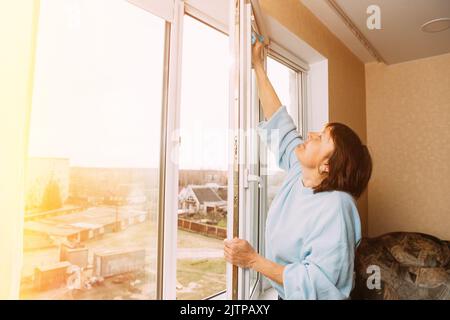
<point>411,266</point>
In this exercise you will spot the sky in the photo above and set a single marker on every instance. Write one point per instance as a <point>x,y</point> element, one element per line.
<point>98,87</point>
<point>204,97</point>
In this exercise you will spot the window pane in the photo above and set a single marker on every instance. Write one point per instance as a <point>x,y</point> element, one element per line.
<point>93,167</point>
<point>284,81</point>
<point>202,214</point>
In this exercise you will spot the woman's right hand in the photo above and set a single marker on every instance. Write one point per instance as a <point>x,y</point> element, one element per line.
<point>257,59</point>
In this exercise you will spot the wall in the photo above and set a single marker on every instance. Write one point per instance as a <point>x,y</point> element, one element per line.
<point>18,21</point>
<point>408,127</point>
<point>346,83</point>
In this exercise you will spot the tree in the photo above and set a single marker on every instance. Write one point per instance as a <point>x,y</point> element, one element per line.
<point>51,199</point>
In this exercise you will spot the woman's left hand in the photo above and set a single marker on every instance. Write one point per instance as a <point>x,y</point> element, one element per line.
<point>240,253</point>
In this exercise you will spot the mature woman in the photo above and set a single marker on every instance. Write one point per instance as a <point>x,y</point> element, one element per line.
<point>313,225</point>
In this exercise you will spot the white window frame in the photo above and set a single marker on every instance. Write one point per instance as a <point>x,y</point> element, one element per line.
<point>206,12</point>
<point>168,246</point>
<point>248,188</point>
<point>166,10</point>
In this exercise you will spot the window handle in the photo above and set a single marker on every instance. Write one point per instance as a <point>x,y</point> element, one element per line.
<point>252,178</point>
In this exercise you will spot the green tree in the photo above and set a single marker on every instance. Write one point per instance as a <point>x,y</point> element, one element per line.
<point>51,199</point>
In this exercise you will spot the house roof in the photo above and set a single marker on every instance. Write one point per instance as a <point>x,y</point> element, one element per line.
<point>223,193</point>
<point>205,194</point>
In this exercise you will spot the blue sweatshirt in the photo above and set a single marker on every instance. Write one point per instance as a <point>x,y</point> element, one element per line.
<point>313,235</point>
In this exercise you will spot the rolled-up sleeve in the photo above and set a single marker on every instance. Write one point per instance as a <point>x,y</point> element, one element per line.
<point>281,137</point>
<point>319,276</point>
<point>326,271</point>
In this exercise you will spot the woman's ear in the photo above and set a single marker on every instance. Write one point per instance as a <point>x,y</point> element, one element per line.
<point>324,168</point>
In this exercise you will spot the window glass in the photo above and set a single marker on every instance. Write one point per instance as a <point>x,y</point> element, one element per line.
<point>284,81</point>
<point>92,180</point>
<point>202,198</point>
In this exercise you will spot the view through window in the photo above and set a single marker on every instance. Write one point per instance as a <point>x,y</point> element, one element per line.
<point>202,198</point>
<point>285,83</point>
<point>93,160</point>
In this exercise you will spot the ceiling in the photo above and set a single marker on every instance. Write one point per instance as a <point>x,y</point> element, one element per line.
<point>400,38</point>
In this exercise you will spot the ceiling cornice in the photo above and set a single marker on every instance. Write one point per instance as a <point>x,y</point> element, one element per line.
<point>354,29</point>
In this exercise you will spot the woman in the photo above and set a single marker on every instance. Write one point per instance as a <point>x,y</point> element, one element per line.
<point>313,225</point>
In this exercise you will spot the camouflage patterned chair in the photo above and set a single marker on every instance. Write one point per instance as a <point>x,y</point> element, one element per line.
<point>411,266</point>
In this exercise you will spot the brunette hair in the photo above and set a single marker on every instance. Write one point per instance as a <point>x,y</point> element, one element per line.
<point>350,164</point>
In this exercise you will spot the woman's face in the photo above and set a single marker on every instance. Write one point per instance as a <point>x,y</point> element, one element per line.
<point>316,150</point>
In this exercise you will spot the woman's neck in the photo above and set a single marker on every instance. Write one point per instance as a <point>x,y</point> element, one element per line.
<point>311,178</point>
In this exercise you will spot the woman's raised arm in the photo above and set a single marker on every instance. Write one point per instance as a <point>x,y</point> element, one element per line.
<point>269,99</point>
